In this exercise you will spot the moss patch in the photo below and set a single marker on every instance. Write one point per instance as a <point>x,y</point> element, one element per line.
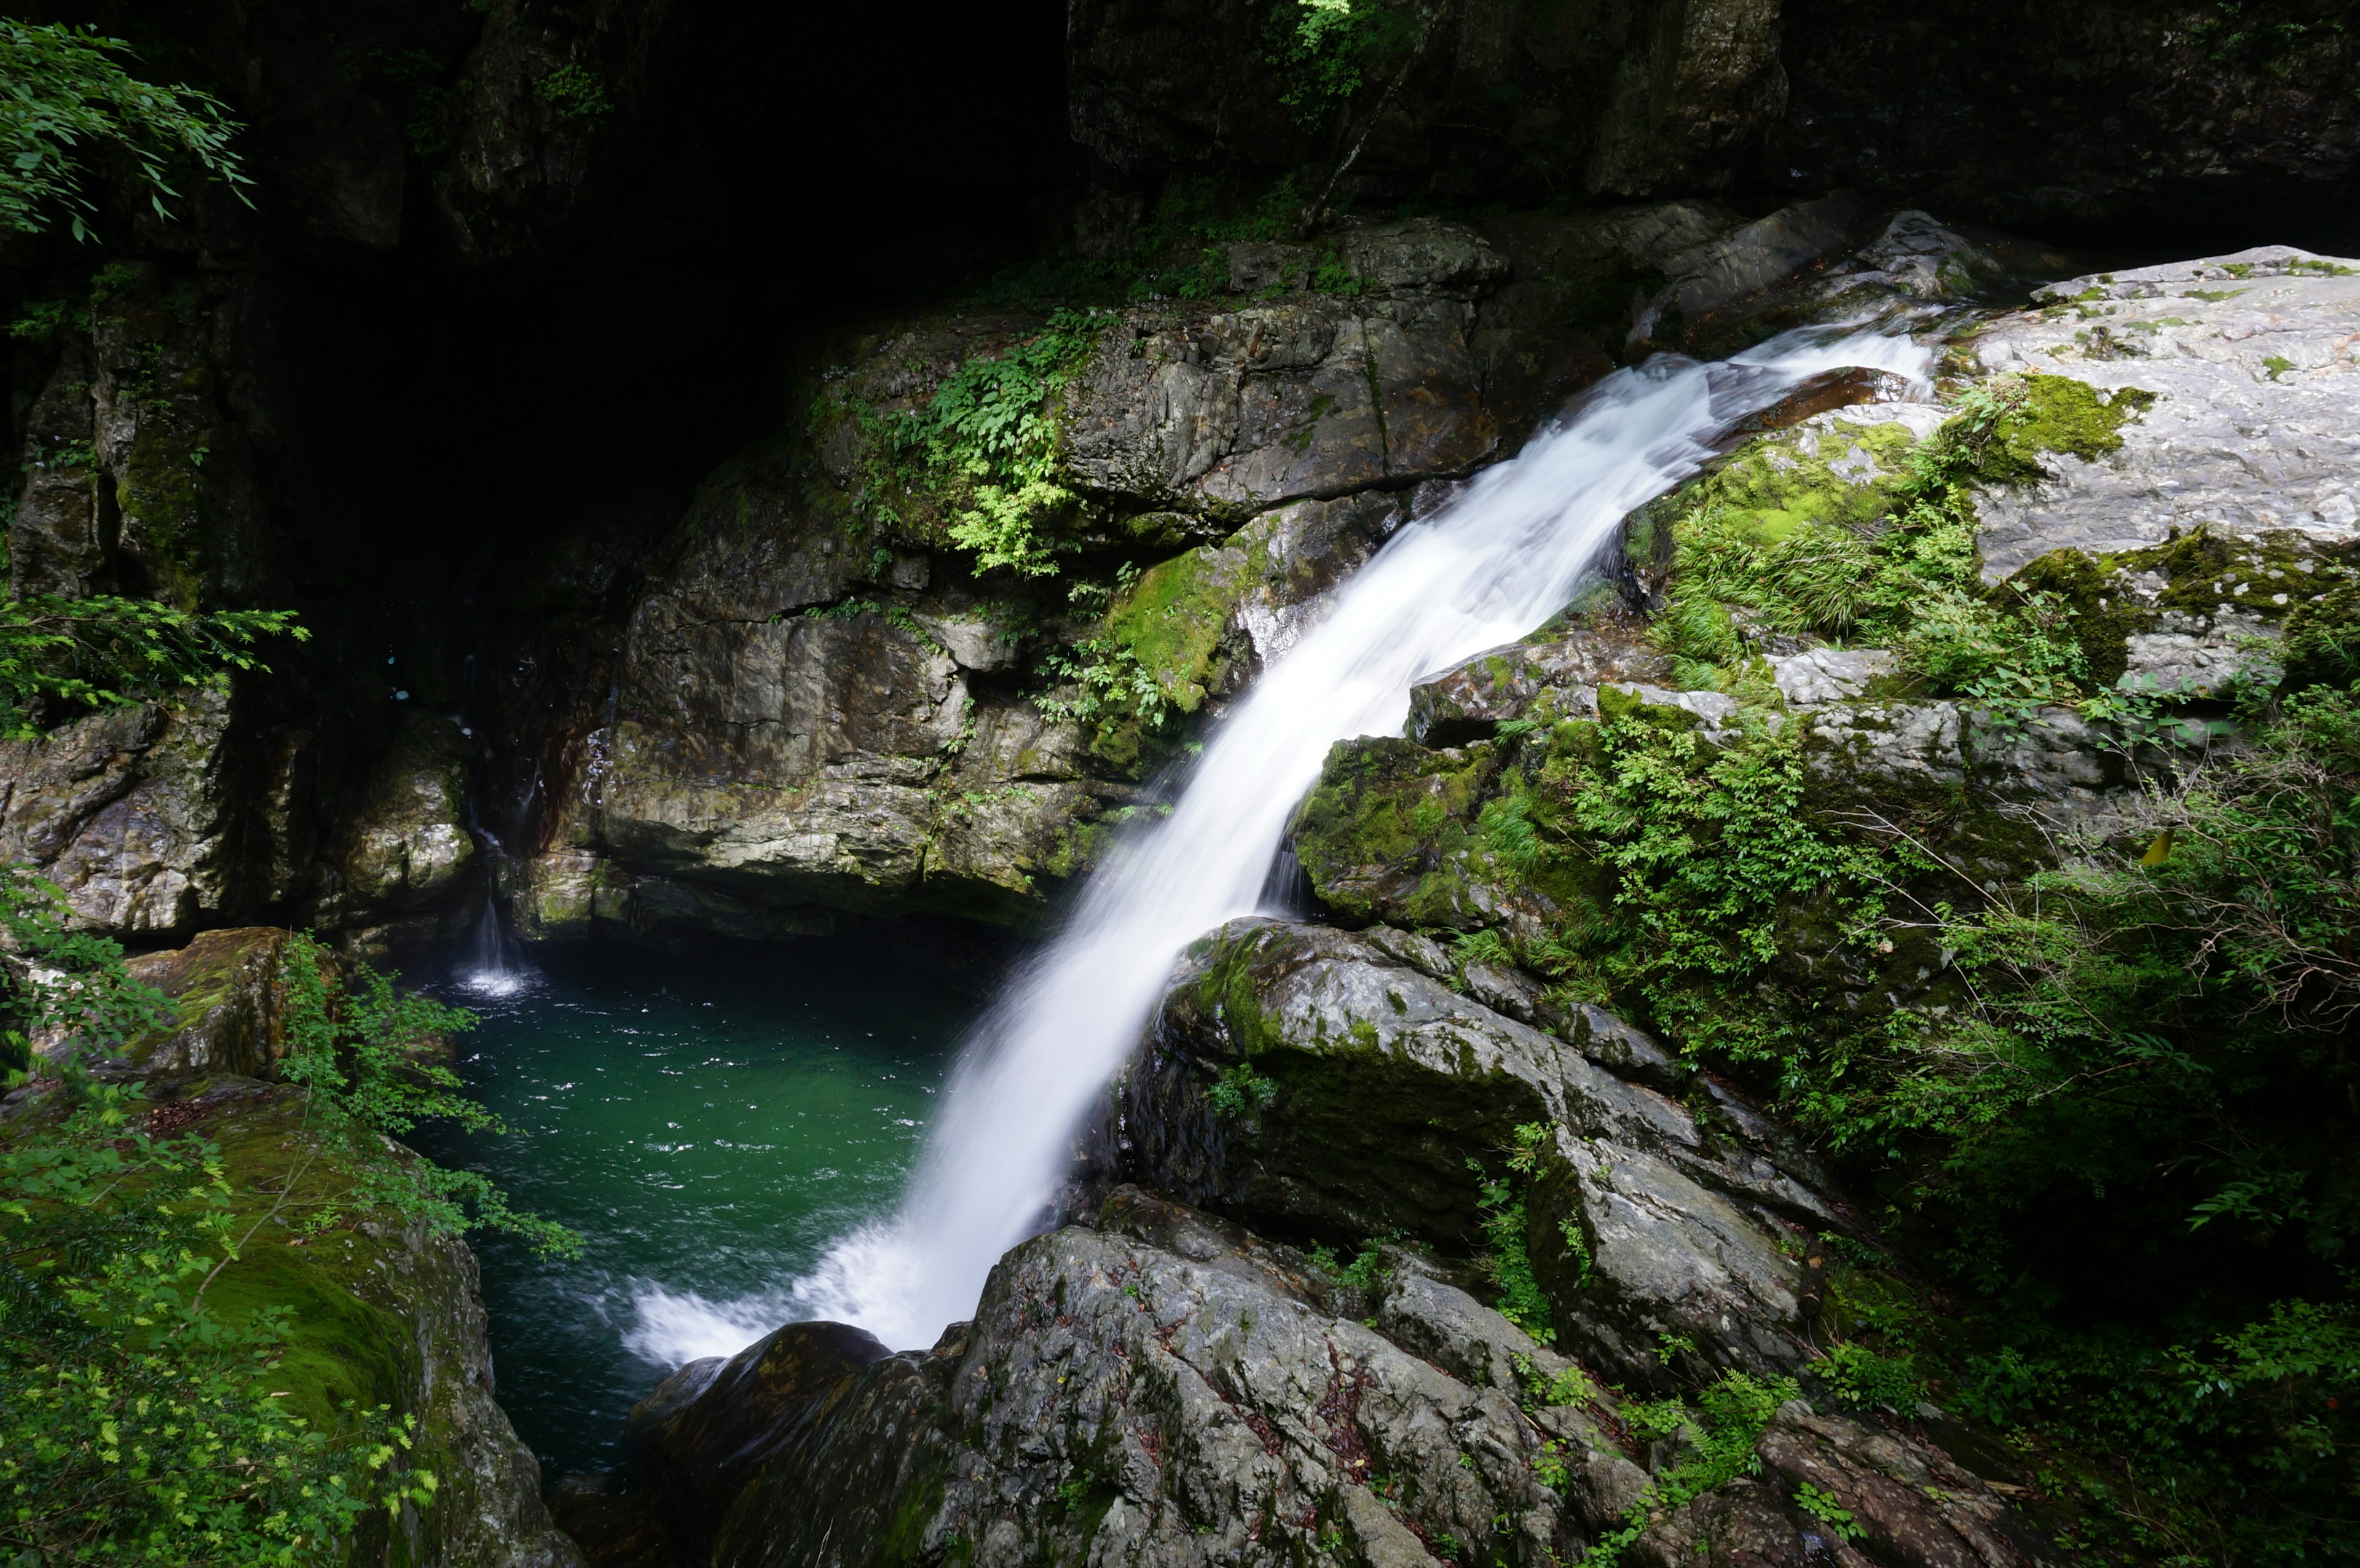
<point>1389,833</point>
<point>1175,616</point>
<point>2059,414</point>
<point>1841,474</point>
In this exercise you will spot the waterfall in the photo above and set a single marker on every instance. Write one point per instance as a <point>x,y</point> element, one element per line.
<point>1499,560</point>
<point>492,968</point>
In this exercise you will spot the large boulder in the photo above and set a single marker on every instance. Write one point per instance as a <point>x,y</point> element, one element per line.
<point>1166,1390</point>
<point>1330,1086</point>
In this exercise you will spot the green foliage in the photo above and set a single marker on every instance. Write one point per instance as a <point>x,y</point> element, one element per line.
<point>365,1051</point>
<point>1365,1269</point>
<point>62,93</point>
<point>1505,1208</point>
<point>571,92</point>
<point>1702,847</point>
<point>1239,1090</point>
<point>104,651</point>
<point>1906,579</point>
<point>1730,1419</point>
<point>1568,1387</point>
<point>982,452</point>
<point>1857,1379</point>
<point>1823,1506</point>
<point>1320,46</point>
<point>139,1423</point>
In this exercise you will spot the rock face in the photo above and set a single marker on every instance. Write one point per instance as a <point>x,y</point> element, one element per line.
<point>1165,1388</point>
<point>1492,96</point>
<point>133,812</point>
<point>1393,1092</point>
<point>817,709</point>
<point>2044,117</point>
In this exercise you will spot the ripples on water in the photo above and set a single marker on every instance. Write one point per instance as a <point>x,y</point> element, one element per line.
<point>707,1126</point>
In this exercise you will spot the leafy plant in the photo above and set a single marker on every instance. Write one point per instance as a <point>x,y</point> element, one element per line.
<point>104,651</point>
<point>138,1423</point>
<point>1824,1507</point>
<point>574,93</point>
<point>1240,1089</point>
<point>64,92</point>
<point>366,1053</point>
<point>1858,1379</point>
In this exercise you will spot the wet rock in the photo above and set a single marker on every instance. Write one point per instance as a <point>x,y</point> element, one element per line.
<point>1917,255</point>
<point>405,844</point>
<point>2256,394</point>
<point>1117,1399</point>
<point>1385,1085</point>
<point>1723,273</point>
<point>1469,700</point>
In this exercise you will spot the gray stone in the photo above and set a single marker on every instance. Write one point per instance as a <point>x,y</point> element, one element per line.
<point>1389,1083</point>
<point>1828,675</point>
<point>132,812</point>
<point>2257,424</point>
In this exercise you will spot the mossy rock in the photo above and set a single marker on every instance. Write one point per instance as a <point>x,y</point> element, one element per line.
<point>1828,470</point>
<point>1390,832</point>
<point>1175,616</point>
<point>2058,415</point>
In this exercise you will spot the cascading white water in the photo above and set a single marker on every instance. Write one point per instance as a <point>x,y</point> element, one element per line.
<point>1504,556</point>
<point>491,969</point>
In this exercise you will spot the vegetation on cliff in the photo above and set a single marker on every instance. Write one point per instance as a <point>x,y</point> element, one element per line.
<point>177,1384</point>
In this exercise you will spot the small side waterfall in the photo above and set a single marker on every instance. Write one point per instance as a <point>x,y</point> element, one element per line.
<point>1498,561</point>
<point>494,967</point>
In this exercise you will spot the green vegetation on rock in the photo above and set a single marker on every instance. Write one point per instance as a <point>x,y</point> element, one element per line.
<point>190,1370</point>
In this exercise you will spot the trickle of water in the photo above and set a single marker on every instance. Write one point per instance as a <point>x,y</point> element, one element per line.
<point>493,967</point>
<point>1499,560</point>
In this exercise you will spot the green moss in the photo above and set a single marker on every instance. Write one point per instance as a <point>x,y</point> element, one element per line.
<point>2104,617</point>
<point>2059,414</point>
<point>1774,485</point>
<point>1173,616</point>
<point>343,1347</point>
<point>2268,576</point>
<point>1389,833</point>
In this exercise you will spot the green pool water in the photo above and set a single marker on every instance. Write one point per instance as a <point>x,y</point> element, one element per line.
<point>707,1125</point>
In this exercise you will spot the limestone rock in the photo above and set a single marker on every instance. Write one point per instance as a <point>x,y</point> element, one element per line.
<point>1827,674</point>
<point>2256,382</point>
